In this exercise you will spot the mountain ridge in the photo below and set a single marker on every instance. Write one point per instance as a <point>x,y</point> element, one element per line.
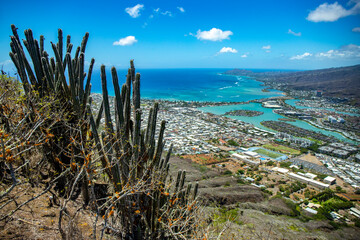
<point>341,82</point>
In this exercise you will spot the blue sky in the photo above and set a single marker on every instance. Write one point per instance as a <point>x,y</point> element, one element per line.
<point>279,34</point>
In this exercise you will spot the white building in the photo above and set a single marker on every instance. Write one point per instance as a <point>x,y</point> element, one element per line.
<point>330,180</point>
<point>308,181</point>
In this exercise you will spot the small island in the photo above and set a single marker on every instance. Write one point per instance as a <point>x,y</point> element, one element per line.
<point>245,113</point>
<point>287,120</point>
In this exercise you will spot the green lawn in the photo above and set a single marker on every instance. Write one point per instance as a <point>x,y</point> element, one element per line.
<point>282,149</point>
<point>267,153</point>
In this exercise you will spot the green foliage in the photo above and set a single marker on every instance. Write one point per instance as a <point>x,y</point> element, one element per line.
<point>304,150</point>
<point>240,181</point>
<point>240,171</point>
<point>322,176</point>
<point>322,214</point>
<point>285,164</point>
<point>223,215</point>
<point>335,204</point>
<point>357,222</point>
<point>324,195</point>
<point>232,143</point>
<point>227,172</point>
<point>258,178</point>
<point>339,189</point>
<point>314,147</point>
<point>293,206</point>
<point>263,189</point>
<point>151,204</point>
<point>270,163</point>
<point>329,203</point>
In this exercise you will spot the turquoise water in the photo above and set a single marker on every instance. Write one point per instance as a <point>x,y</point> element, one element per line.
<point>191,85</point>
<point>268,115</point>
<point>205,85</point>
<point>292,102</point>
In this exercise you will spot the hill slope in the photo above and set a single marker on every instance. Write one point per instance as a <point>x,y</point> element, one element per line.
<point>341,82</point>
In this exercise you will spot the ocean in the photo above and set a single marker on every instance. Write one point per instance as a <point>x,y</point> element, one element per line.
<point>190,85</point>
<point>206,85</point>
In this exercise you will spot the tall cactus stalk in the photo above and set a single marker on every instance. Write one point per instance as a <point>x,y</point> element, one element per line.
<point>147,203</point>
<point>136,157</point>
<point>47,77</point>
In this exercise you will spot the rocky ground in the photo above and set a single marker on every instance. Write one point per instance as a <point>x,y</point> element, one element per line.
<point>252,214</point>
<point>256,216</point>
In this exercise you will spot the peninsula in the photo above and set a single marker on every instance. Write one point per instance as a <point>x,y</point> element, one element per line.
<point>245,113</point>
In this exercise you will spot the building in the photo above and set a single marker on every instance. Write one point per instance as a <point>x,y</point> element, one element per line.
<point>271,104</point>
<point>280,170</point>
<point>251,154</point>
<point>357,157</point>
<point>336,145</point>
<point>341,120</point>
<point>310,175</point>
<point>332,119</point>
<point>355,212</point>
<point>318,93</point>
<point>245,159</point>
<point>249,179</point>
<point>350,149</point>
<point>330,180</point>
<point>308,181</point>
<point>326,149</point>
<point>335,216</point>
<point>341,153</point>
<point>309,210</point>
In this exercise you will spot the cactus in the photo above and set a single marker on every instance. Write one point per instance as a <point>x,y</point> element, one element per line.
<point>135,157</point>
<point>47,77</point>
<point>151,205</point>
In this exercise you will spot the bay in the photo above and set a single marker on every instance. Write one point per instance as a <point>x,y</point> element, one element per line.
<point>191,85</point>
<point>267,116</point>
<point>206,85</point>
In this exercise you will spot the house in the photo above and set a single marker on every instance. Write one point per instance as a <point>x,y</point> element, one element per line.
<point>330,180</point>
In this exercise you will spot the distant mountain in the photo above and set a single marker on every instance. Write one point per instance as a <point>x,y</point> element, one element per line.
<point>341,82</point>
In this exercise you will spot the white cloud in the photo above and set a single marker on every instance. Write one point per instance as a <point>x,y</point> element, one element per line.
<point>294,33</point>
<point>266,47</point>
<point>167,13</point>
<point>158,11</point>
<point>227,50</point>
<point>350,51</point>
<point>181,9</point>
<point>332,12</point>
<point>347,51</point>
<point>129,40</point>
<point>303,56</point>
<point>244,56</point>
<point>134,12</point>
<point>356,29</point>
<point>214,34</point>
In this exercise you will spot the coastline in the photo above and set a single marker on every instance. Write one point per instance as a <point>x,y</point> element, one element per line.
<point>259,99</point>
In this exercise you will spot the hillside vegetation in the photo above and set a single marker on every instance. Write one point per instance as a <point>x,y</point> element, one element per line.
<point>115,181</point>
<point>343,82</point>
